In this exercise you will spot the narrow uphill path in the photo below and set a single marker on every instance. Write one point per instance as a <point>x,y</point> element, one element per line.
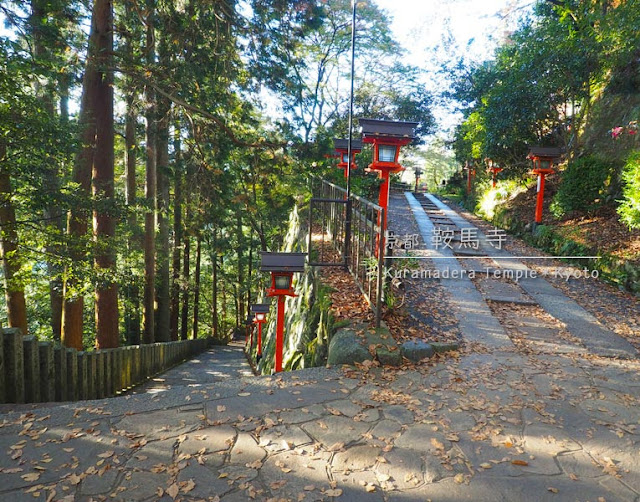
<point>478,271</point>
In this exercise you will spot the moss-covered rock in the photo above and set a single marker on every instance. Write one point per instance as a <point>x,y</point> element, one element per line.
<point>360,343</point>
<point>347,347</point>
<point>442,347</point>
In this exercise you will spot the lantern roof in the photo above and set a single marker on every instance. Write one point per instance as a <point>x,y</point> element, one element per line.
<point>343,144</point>
<point>544,152</point>
<point>282,262</point>
<point>260,308</point>
<point>374,128</point>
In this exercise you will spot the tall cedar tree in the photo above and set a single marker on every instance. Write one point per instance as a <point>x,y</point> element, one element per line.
<point>103,182</point>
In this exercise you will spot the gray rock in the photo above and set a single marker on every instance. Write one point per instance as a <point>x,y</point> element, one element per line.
<point>387,350</point>
<point>346,348</point>
<point>416,350</point>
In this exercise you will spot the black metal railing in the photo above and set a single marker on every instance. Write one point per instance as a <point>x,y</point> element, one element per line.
<point>327,236</point>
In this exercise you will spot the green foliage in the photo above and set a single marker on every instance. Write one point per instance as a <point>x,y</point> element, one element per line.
<point>583,186</point>
<point>629,208</point>
<point>490,199</point>
<point>538,89</point>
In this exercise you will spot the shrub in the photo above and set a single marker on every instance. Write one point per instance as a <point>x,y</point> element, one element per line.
<point>584,184</point>
<point>629,209</point>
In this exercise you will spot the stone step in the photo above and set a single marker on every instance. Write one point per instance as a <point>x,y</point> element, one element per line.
<point>509,299</point>
<point>503,292</point>
<point>469,252</point>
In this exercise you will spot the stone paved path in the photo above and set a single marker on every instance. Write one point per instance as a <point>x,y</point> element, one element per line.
<point>220,364</point>
<point>511,422</point>
<point>477,323</point>
<point>482,426</point>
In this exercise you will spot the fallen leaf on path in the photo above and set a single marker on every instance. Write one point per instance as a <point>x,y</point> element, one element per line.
<point>173,491</point>
<point>188,486</point>
<point>520,462</point>
<point>32,476</point>
<point>437,444</point>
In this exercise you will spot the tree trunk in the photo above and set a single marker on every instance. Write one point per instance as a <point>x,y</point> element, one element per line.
<point>73,301</point>
<point>11,263</point>
<point>239,292</point>
<point>249,272</point>
<point>184,328</point>
<point>214,303</point>
<point>224,300</point>
<point>132,313</point>
<point>132,319</point>
<point>177,234</point>
<point>162,333</point>
<point>150,191</point>
<point>236,304</point>
<point>52,213</point>
<point>196,289</point>
<point>104,227</point>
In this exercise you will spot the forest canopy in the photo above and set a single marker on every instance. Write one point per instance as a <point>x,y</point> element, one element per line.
<point>142,164</point>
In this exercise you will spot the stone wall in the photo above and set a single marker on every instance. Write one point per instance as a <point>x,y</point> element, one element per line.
<point>33,371</point>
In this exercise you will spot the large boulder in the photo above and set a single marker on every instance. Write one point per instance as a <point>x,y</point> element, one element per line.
<point>360,343</point>
<point>346,347</point>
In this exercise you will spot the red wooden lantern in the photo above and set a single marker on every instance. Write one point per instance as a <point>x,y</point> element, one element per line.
<point>342,153</point>
<point>387,137</point>
<point>282,267</point>
<point>471,172</point>
<point>260,311</point>
<point>542,159</point>
<point>493,168</point>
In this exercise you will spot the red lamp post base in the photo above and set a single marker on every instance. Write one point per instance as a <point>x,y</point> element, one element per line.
<point>540,197</point>
<point>495,171</point>
<point>281,294</point>
<point>279,334</point>
<point>260,339</point>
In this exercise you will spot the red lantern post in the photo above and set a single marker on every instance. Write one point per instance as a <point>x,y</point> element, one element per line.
<point>387,137</point>
<point>342,153</point>
<point>494,169</point>
<point>260,310</point>
<point>542,159</point>
<point>471,172</point>
<point>282,267</point>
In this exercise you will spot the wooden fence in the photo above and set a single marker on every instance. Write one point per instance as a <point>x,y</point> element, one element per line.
<point>34,372</point>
